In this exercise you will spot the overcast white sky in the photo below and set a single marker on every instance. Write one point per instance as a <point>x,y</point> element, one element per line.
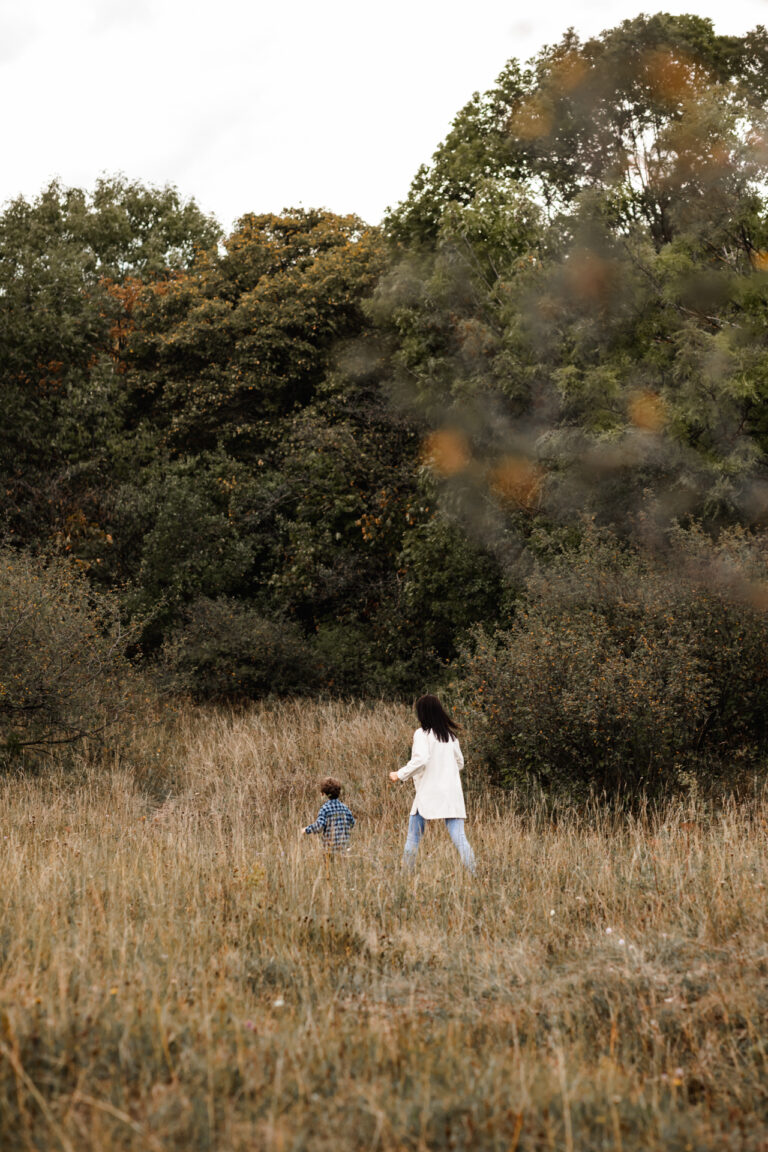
<point>257,106</point>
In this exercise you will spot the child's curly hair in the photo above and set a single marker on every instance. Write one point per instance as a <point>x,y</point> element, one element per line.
<point>330,788</point>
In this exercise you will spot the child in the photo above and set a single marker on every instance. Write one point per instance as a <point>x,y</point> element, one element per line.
<point>334,819</point>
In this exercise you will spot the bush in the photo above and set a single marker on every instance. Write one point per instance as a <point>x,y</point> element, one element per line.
<point>625,671</point>
<point>225,649</point>
<point>64,673</point>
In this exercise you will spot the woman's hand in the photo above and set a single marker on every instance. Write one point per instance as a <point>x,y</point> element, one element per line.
<point>394,777</point>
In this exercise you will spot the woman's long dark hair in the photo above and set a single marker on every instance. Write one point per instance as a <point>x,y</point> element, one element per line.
<point>434,718</point>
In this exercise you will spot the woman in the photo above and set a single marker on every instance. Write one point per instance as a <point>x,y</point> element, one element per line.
<point>435,763</point>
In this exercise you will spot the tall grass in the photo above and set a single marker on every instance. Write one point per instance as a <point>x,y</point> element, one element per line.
<point>180,970</point>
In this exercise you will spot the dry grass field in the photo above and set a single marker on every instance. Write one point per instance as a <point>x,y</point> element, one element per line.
<point>179,970</point>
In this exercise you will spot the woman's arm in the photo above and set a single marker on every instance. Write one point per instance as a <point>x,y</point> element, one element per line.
<point>419,755</point>
<point>459,755</point>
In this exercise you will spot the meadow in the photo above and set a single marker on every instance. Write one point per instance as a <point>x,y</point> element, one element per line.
<point>180,969</point>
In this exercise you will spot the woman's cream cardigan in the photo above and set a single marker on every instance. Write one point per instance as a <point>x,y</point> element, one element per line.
<point>434,766</point>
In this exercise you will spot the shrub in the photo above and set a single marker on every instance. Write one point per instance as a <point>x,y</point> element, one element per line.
<point>625,670</point>
<point>225,649</point>
<point>64,673</point>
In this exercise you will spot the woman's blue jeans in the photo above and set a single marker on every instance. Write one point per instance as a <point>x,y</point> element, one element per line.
<point>455,826</point>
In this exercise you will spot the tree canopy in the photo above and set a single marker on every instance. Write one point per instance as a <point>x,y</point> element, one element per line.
<point>354,444</point>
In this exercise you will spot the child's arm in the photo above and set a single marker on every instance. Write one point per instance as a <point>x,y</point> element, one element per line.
<point>319,824</point>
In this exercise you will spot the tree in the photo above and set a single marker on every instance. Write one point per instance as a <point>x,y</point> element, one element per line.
<point>245,366</point>
<point>580,295</point>
<point>245,337</point>
<point>70,267</point>
<point>625,670</point>
<point>64,673</point>
<point>602,115</point>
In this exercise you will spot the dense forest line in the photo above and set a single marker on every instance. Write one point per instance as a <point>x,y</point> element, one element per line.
<point>513,438</point>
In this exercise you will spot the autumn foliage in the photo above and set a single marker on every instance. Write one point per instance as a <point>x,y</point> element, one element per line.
<point>316,455</point>
<point>625,673</point>
<point>64,668</point>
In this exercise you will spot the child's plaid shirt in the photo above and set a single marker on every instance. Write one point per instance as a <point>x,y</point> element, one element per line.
<point>335,821</point>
